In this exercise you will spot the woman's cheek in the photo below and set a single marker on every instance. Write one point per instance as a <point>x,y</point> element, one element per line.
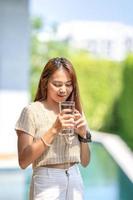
<point>70,90</point>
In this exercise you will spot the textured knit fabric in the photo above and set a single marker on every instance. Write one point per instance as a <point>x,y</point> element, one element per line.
<point>35,120</point>
<point>56,184</point>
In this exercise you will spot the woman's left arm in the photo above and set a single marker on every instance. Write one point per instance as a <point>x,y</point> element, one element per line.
<point>81,130</point>
<point>84,154</point>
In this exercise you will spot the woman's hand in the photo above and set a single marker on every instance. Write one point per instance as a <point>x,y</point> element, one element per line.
<point>64,120</point>
<point>80,129</point>
<point>80,123</point>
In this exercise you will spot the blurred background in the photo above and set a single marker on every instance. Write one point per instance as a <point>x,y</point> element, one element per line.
<point>97,36</point>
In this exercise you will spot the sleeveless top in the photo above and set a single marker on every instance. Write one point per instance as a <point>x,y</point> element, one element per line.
<point>35,120</point>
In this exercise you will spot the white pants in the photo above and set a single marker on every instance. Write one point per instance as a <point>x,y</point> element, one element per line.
<point>56,184</point>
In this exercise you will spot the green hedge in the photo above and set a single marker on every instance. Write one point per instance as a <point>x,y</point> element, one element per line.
<point>119,118</point>
<point>125,103</point>
<point>100,86</point>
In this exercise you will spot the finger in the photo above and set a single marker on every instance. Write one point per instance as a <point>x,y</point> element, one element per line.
<point>67,125</point>
<point>78,121</point>
<point>77,114</point>
<point>81,125</point>
<point>68,121</point>
<point>67,116</point>
<point>75,110</point>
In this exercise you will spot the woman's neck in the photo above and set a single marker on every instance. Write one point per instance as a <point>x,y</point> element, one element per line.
<point>50,105</point>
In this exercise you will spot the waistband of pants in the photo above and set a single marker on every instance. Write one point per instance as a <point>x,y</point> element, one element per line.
<point>40,170</point>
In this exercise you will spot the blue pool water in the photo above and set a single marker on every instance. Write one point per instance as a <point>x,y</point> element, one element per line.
<point>103,179</point>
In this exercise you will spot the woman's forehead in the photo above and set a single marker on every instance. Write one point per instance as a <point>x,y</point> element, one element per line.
<point>61,74</point>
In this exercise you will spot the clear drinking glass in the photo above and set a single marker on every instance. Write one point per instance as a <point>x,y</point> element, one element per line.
<point>67,105</point>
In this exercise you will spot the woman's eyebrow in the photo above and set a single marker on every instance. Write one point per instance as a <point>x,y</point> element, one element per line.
<point>56,81</point>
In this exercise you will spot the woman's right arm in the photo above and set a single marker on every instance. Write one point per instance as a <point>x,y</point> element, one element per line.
<point>29,150</point>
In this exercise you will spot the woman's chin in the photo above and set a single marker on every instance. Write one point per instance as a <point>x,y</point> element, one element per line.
<point>61,98</point>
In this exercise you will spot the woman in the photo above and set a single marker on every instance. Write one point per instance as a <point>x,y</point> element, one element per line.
<point>53,157</point>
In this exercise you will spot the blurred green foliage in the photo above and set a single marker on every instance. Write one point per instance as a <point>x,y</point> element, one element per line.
<point>105,86</point>
<point>125,103</point>
<point>100,85</point>
<point>121,113</point>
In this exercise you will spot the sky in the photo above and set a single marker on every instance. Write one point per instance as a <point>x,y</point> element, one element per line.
<point>93,10</point>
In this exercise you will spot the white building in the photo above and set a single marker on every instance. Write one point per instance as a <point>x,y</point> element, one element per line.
<point>14,68</point>
<point>110,40</point>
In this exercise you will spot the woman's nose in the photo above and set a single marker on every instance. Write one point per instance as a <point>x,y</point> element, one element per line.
<point>63,89</point>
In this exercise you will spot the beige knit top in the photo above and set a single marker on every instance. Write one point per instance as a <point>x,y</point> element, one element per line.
<point>35,120</point>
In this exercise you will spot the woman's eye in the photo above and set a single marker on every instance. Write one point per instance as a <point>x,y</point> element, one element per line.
<point>68,84</point>
<point>57,84</point>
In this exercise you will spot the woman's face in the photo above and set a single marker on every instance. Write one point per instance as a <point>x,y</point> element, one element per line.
<point>59,86</point>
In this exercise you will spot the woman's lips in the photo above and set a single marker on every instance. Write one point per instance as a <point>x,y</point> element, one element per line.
<point>61,95</point>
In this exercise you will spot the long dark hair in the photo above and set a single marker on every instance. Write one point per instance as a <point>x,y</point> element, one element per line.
<point>51,66</point>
